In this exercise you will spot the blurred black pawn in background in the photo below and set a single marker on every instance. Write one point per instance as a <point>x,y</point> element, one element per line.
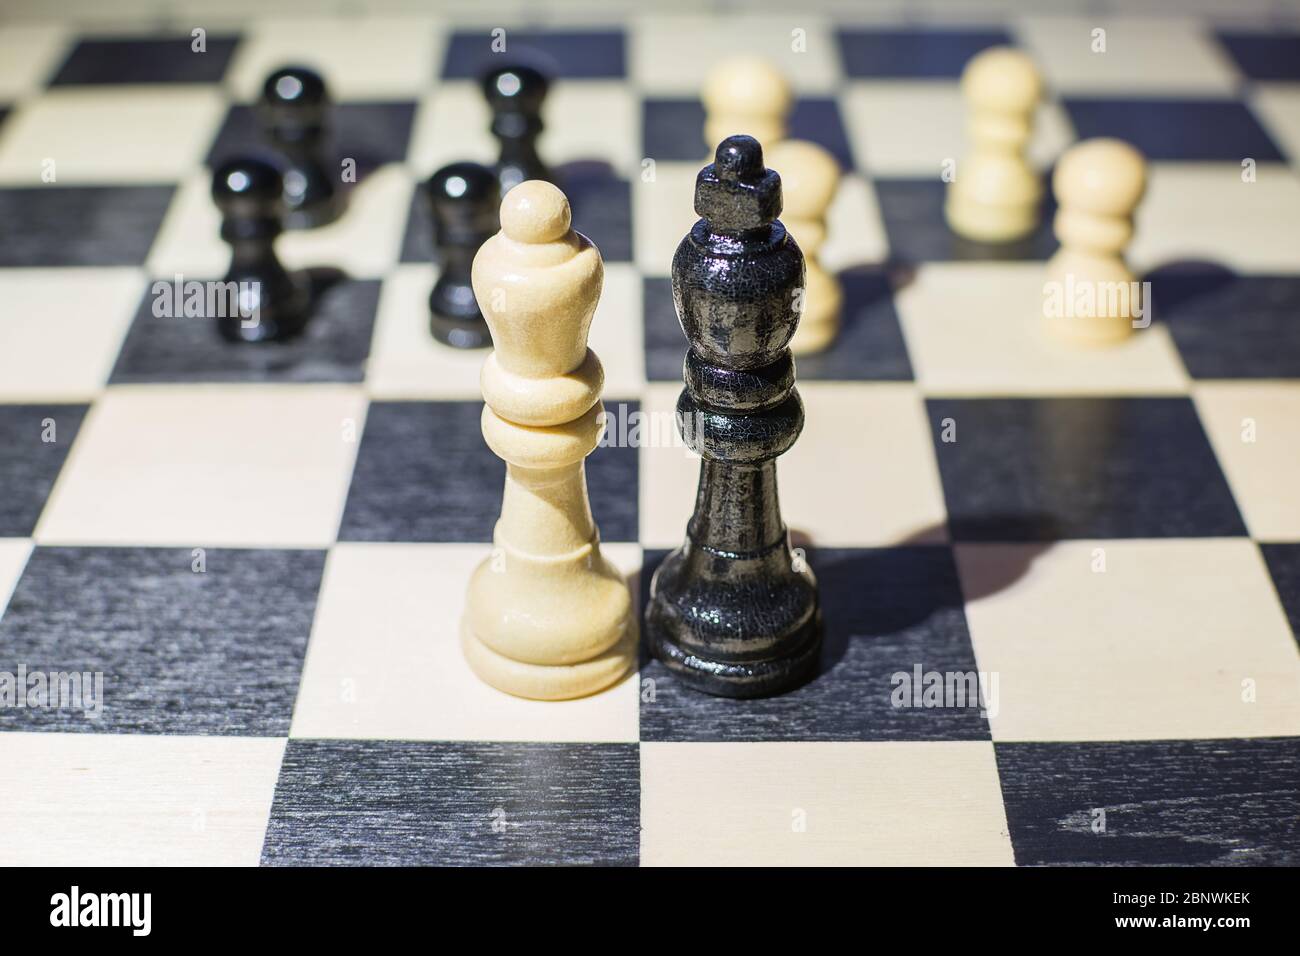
<point>464,199</point>
<point>515,95</point>
<point>294,113</point>
<point>273,304</point>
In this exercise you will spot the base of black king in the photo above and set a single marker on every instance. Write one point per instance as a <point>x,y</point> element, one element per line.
<point>734,612</point>
<point>735,623</point>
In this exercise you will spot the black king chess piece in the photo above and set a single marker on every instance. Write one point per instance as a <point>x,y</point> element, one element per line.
<point>294,113</point>
<point>272,303</point>
<point>515,95</point>
<point>463,200</point>
<point>733,612</point>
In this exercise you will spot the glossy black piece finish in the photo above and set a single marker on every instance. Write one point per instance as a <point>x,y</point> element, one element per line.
<point>273,304</point>
<point>733,612</point>
<point>515,95</point>
<point>294,113</point>
<point>869,348</point>
<point>463,201</point>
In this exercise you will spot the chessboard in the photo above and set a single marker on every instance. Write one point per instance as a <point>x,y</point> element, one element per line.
<point>264,550</point>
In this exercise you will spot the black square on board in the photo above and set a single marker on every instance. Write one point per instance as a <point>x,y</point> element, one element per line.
<point>417,237</point>
<point>372,134</point>
<point>1228,325</point>
<point>1283,562</point>
<point>36,440</point>
<point>912,211</point>
<point>870,344</point>
<point>217,651</point>
<point>1053,468</point>
<point>665,343</point>
<point>404,803</point>
<point>913,54</point>
<point>1173,129</point>
<point>1274,55</point>
<point>602,207</point>
<point>130,60</point>
<point>424,473</point>
<point>80,225</point>
<point>1152,803</point>
<point>184,348</point>
<point>563,54</point>
<point>673,129</point>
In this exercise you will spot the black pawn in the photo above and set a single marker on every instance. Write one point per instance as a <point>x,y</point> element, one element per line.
<point>272,303</point>
<point>515,95</point>
<point>464,201</point>
<point>733,612</point>
<point>294,114</point>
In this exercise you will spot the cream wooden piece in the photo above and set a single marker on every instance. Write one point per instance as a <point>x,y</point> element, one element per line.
<point>809,178</point>
<point>1098,184</point>
<point>745,94</point>
<point>750,95</point>
<point>547,616</point>
<point>996,194</point>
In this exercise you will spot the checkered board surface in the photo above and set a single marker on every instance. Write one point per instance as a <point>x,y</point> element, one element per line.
<point>303,699</point>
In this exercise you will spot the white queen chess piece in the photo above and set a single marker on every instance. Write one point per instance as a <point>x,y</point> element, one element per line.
<point>547,615</point>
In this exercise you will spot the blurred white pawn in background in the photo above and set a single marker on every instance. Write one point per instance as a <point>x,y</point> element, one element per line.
<point>1098,184</point>
<point>809,178</point>
<point>996,195</point>
<point>750,95</point>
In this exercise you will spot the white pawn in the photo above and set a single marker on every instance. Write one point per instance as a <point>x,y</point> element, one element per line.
<point>547,616</point>
<point>996,194</point>
<point>745,94</point>
<point>809,178</point>
<point>1098,184</point>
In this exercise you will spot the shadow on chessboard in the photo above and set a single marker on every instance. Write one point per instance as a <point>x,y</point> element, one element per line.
<point>1228,324</point>
<point>889,593</point>
<point>1186,284</point>
<point>320,279</point>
